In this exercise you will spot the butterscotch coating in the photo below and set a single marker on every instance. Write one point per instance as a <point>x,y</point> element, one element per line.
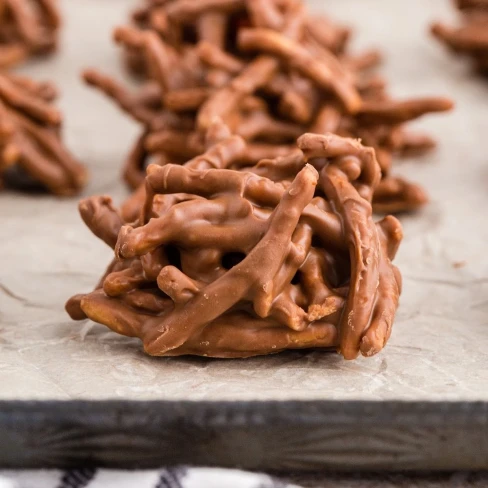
<point>31,151</point>
<point>470,38</point>
<point>224,263</point>
<point>27,27</point>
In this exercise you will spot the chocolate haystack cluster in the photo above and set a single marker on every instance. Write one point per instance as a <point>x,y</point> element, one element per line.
<point>233,256</point>
<point>27,27</point>
<point>271,73</point>
<point>179,23</point>
<point>471,38</point>
<point>31,151</point>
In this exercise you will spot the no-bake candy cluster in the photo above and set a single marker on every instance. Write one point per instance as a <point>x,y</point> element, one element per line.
<point>31,151</point>
<point>27,28</point>
<point>272,73</point>
<point>265,146</point>
<point>233,256</point>
<point>32,155</point>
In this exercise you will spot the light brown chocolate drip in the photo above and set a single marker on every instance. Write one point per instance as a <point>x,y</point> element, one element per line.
<point>471,37</point>
<point>224,263</point>
<point>270,73</point>
<point>27,28</point>
<point>31,151</point>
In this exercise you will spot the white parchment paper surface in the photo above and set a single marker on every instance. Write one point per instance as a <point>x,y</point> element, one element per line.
<point>439,347</point>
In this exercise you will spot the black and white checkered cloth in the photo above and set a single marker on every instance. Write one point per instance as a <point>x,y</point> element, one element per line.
<point>165,478</point>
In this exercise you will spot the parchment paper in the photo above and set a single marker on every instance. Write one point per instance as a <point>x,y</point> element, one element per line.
<point>439,346</point>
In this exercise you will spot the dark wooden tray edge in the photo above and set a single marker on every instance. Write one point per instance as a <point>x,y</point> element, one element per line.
<point>289,435</point>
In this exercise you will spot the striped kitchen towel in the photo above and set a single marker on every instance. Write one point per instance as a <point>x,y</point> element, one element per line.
<point>164,478</point>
